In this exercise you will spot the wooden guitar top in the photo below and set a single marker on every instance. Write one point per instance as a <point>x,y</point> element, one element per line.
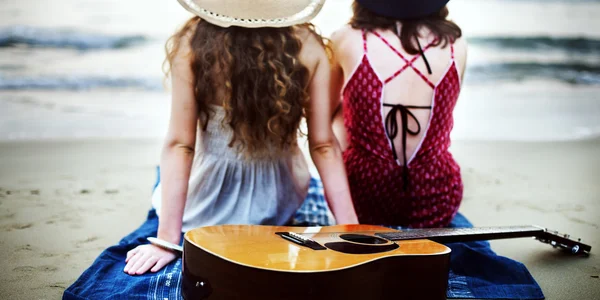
<point>259,247</point>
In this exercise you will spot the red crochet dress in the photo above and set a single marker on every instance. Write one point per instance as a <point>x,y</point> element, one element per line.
<point>422,191</point>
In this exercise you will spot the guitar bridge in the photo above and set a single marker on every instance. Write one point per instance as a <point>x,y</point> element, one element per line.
<point>301,240</point>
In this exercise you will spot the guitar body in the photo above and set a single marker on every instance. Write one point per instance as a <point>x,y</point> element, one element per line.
<point>253,262</point>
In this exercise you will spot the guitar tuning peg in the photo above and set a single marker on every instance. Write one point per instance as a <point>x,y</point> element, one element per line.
<point>579,239</point>
<point>567,236</point>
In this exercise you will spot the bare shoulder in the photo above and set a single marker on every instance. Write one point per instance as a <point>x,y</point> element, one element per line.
<point>185,36</point>
<point>180,55</point>
<point>460,46</point>
<point>346,35</point>
<point>343,33</point>
<point>184,49</point>
<point>313,49</point>
<point>460,51</point>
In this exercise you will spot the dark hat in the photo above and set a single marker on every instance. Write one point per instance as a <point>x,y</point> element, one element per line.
<point>403,9</point>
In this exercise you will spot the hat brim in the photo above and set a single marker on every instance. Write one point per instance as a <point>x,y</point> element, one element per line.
<point>301,17</point>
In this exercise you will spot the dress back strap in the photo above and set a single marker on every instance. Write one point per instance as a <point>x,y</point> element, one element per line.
<point>409,63</point>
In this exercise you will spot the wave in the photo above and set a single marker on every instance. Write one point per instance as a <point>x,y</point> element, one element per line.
<point>64,38</point>
<point>78,83</point>
<point>578,74</point>
<point>578,45</point>
<point>583,74</point>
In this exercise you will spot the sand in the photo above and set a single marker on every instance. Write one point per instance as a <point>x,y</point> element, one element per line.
<point>63,202</point>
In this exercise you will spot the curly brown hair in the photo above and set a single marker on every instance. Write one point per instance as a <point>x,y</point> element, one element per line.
<point>255,74</point>
<point>444,30</point>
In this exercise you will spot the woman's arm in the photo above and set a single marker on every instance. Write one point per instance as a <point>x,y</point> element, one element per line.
<point>324,148</point>
<point>337,83</point>
<point>177,157</point>
<point>176,162</point>
<point>460,54</point>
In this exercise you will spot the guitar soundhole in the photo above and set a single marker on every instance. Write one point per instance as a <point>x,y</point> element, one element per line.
<point>363,239</point>
<point>352,248</point>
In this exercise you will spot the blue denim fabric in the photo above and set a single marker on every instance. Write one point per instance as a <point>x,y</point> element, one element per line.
<point>476,272</point>
<point>105,279</point>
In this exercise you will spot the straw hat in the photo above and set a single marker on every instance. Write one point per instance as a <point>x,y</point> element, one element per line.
<point>254,13</point>
<point>404,9</point>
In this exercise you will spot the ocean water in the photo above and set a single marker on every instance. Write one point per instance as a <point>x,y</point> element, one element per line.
<point>92,68</point>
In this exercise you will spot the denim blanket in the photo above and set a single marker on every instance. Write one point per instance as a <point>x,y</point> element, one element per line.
<point>476,272</point>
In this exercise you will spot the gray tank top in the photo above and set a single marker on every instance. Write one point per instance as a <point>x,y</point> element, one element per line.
<point>227,188</point>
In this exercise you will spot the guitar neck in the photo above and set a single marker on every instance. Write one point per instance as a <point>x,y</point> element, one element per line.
<point>451,235</point>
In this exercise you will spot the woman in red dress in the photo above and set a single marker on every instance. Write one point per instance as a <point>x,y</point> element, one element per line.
<point>399,66</point>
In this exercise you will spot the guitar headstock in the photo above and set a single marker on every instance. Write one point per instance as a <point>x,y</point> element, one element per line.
<point>564,242</point>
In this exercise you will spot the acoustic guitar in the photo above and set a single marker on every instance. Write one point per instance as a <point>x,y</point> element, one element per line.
<point>336,262</point>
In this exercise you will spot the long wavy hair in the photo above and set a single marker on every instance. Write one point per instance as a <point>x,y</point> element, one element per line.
<point>444,30</point>
<point>255,74</point>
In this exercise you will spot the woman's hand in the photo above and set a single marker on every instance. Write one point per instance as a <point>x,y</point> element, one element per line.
<point>147,257</point>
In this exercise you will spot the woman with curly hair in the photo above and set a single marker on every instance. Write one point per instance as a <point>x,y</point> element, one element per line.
<point>244,74</point>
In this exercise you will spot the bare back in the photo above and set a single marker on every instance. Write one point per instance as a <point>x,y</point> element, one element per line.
<point>406,78</point>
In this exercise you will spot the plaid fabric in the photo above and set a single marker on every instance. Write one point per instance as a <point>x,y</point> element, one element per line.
<point>314,211</point>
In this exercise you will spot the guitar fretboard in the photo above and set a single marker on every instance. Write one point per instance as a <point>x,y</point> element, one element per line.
<point>450,235</point>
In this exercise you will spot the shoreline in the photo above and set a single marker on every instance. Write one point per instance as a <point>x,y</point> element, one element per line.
<point>516,113</point>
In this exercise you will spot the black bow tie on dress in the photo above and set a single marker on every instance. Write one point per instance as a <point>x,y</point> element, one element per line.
<point>391,130</point>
